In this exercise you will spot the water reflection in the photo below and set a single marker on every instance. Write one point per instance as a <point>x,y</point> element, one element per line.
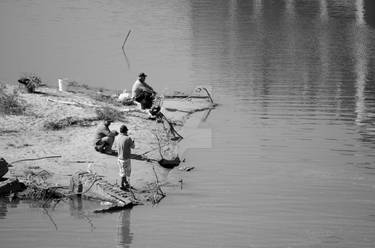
<point>125,237</point>
<point>369,12</point>
<point>359,12</point>
<point>4,201</point>
<point>79,208</point>
<point>323,10</point>
<point>289,58</point>
<point>297,77</point>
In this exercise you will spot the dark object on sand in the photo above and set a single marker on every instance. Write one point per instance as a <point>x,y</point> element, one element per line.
<point>169,163</point>
<point>10,185</point>
<point>145,99</point>
<point>3,167</point>
<point>155,110</point>
<point>30,83</point>
<point>92,185</point>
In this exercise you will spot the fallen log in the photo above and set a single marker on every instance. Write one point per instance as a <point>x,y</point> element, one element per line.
<point>10,185</point>
<point>3,167</point>
<point>94,186</point>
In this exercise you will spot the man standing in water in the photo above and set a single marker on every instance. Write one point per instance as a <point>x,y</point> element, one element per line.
<point>142,92</point>
<point>123,144</point>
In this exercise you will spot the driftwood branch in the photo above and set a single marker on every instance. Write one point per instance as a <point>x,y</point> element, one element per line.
<point>31,159</point>
<point>73,103</point>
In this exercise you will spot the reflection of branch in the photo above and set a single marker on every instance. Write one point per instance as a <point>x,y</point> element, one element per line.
<point>127,60</point>
<point>123,49</point>
<point>204,118</point>
<point>92,227</point>
<point>50,217</point>
<point>158,188</point>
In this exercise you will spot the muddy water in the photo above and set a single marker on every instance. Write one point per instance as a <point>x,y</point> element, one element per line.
<point>287,158</point>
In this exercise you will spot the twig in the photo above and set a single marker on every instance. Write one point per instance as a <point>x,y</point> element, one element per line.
<point>171,128</point>
<point>153,149</point>
<point>159,145</point>
<point>123,49</point>
<point>208,93</point>
<point>156,175</point>
<point>31,159</point>
<point>74,103</point>
<point>126,38</point>
<point>65,102</point>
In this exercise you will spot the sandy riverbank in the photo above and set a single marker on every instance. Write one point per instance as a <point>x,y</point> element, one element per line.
<point>43,140</point>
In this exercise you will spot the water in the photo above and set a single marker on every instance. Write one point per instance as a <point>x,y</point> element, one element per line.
<point>291,162</point>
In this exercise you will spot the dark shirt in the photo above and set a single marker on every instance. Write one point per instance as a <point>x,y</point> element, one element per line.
<point>101,132</point>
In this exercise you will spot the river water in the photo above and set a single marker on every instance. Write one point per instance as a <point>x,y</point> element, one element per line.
<point>286,160</point>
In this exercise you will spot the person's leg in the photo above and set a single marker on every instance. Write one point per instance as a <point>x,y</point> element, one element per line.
<point>148,100</point>
<point>124,171</point>
<point>121,168</point>
<point>127,170</point>
<point>100,146</point>
<point>124,183</point>
<point>139,100</point>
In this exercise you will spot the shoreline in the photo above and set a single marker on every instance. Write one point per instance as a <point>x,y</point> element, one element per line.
<point>55,136</point>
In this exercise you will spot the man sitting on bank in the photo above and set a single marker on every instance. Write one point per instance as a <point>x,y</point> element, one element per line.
<point>143,93</point>
<point>104,137</point>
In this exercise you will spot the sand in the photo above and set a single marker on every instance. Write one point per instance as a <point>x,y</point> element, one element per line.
<point>60,153</point>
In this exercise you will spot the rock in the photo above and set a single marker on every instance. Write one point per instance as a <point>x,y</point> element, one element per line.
<point>10,185</point>
<point>3,167</point>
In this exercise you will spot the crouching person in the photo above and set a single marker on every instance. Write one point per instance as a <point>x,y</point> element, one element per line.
<point>142,93</point>
<point>104,137</point>
<point>123,145</point>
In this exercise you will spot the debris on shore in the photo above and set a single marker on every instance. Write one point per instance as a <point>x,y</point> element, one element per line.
<point>55,122</point>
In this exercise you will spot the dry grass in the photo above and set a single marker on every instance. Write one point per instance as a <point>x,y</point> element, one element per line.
<point>67,122</point>
<point>10,102</point>
<point>105,113</point>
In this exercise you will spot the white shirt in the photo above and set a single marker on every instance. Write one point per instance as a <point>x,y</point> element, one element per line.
<point>138,87</point>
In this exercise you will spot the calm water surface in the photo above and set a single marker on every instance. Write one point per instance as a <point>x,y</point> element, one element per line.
<point>291,160</point>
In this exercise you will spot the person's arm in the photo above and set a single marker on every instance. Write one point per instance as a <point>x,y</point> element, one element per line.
<point>132,144</point>
<point>102,132</point>
<point>115,145</point>
<point>148,87</point>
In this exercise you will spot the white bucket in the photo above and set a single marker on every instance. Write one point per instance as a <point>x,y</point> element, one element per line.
<point>63,85</point>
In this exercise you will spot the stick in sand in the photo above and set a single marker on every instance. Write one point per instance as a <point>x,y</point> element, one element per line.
<point>31,159</point>
<point>123,49</point>
<point>126,38</point>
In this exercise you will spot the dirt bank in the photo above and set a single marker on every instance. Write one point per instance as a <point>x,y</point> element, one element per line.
<point>55,135</point>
